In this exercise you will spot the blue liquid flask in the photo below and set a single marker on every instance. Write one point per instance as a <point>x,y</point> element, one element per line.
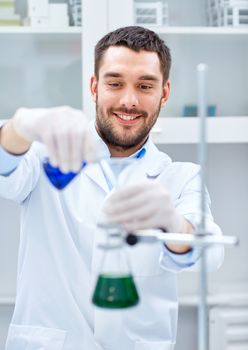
<point>59,179</point>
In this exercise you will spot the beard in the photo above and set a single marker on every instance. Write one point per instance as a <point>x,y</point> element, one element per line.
<point>127,138</point>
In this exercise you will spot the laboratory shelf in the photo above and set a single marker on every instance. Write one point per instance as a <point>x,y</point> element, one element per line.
<point>185,130</point>
<point>7,300</point>
<point>157,29</point>
<point>39,30</point>
<point>199,30</point>
<point>232,299</point>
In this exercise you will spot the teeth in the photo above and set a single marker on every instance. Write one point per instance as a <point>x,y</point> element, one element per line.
<point>125,117</point>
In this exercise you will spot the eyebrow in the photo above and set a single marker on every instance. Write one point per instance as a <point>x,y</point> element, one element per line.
<point>149,77</point>
<point>143,77</point>
<point>112,75</point>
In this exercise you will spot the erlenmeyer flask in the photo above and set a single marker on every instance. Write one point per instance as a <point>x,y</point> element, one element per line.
<point>115,287</point>
<point>59,179</point>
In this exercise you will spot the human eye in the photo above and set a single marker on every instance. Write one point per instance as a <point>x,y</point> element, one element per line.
<point>145,87</point>
<point>114,85</point>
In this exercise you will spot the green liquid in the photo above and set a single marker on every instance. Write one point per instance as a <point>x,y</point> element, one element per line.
<point>115,292</point>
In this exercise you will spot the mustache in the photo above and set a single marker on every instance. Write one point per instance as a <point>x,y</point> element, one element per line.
<point>128,111</point>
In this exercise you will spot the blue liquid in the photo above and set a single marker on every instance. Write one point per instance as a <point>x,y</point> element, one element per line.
<point>59,179</point>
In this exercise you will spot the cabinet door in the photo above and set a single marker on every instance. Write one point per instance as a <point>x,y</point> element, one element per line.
<point>39,70</point>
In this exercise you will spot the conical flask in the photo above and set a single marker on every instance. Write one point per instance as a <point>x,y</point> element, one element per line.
<point>115,287</point>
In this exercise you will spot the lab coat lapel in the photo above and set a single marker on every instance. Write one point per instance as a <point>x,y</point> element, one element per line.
<point>94,172</point>
<point>153,163</point>
<point>148,167</point>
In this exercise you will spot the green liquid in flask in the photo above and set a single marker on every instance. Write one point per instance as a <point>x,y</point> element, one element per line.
<point>115,292</point>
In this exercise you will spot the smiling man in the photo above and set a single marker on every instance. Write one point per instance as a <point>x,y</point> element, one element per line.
<point>59,258</point>
<point>129,90</point>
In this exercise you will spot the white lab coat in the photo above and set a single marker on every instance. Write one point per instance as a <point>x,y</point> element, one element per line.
<point>59,261</point>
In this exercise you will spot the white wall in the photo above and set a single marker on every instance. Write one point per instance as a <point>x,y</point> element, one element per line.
<point>228,186</point>
<point>5,317</point>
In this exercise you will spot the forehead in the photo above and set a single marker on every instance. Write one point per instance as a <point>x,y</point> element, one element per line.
<point>123,60</point>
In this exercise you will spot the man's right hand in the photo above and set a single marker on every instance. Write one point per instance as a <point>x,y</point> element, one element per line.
<point>63,130</point>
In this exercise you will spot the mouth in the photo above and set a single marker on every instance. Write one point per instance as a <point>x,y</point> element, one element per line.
<point>127,119</point>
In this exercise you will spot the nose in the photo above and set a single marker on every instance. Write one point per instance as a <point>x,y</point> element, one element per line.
<point>129,98</point>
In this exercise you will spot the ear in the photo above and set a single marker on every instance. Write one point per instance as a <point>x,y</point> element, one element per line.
<point>165,93</point>
<point>93,87</point>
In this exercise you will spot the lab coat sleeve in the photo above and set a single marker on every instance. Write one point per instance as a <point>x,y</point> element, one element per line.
<point>18,175</point>
<point>8,162</point>
<point>189,204</point>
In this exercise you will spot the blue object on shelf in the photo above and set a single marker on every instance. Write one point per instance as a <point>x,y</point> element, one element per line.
<point>211,111</point>
<point>191,111</point>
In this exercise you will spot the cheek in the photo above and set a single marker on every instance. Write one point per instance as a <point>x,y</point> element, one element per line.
<point>103,106</point>
<point>150,105</point>
<point>106,101</point>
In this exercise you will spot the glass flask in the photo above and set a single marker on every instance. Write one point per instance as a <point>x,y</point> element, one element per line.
<point>115,287</point>
<point>59,179</point>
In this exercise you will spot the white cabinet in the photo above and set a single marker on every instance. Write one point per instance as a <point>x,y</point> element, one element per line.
<point>39,68</point>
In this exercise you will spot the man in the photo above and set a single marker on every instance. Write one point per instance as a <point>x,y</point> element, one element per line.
<point>59,258</point>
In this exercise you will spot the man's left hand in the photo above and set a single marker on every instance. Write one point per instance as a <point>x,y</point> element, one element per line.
<point>145,205</point>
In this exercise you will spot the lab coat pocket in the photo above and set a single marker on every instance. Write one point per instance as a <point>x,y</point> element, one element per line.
<point>154,345</point>
<point>34,338</point>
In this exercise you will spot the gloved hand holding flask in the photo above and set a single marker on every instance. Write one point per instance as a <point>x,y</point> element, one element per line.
<point>146,205</point>
<point>64,131</point>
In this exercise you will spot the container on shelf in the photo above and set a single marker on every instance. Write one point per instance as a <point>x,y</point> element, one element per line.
<point>75,7</point>
<point>191,111</point>
<point>37,13</point>
<point>227,13</point>
<point>151,12</point>
<point>58,15</point>
<point>42,13</point>
<point>8,16</point>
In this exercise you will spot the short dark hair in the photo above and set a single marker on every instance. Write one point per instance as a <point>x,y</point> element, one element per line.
<point>135,38</point>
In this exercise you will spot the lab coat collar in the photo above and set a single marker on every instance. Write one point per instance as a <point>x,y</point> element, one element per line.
<point>93,171</point>
<point>154,161</point>
<point>150,166</point>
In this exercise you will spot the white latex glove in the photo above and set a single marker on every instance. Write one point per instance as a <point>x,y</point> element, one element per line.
<point>145,205</point>
<point>63,130</point>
